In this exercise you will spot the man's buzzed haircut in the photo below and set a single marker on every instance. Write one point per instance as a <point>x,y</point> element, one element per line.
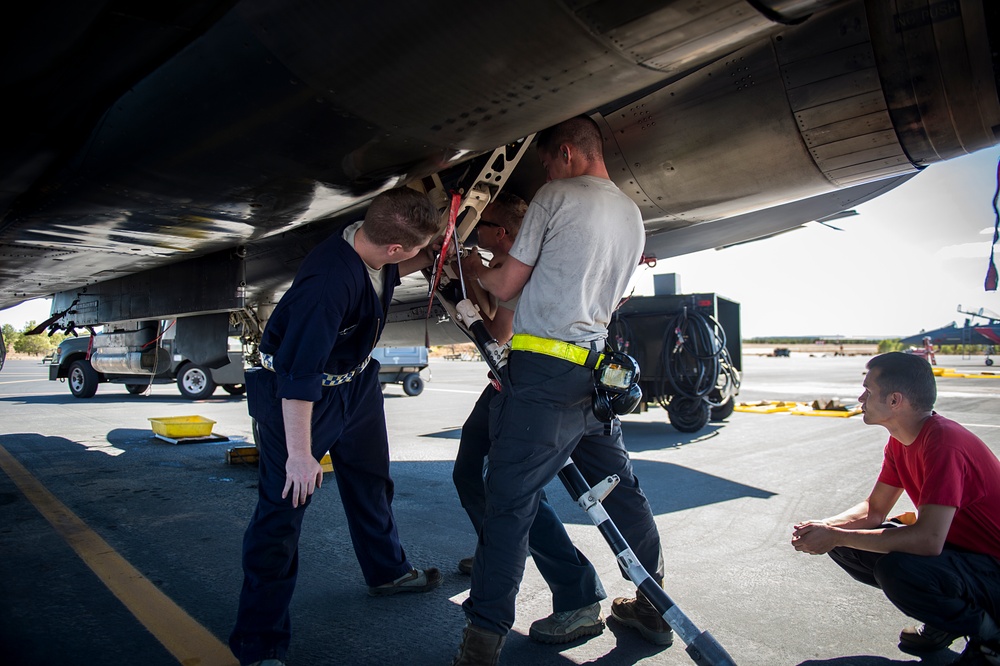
<point>402,216</point>
<point>582,132</point>
<point>508,211</point>
<point>907,374</point>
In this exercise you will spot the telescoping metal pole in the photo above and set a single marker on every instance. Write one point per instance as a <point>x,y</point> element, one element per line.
<point>701,646</point>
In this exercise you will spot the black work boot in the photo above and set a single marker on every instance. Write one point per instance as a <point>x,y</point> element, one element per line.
<point>480,647</point>
<point>925,638</point>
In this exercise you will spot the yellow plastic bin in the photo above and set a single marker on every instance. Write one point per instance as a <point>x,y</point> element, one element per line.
<point>178,427</point>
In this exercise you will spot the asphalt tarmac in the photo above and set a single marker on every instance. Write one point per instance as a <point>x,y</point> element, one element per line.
<point>120,548</point>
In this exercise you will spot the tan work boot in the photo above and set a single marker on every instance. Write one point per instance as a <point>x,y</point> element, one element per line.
<point>480,647</point>
<point>567,626</point>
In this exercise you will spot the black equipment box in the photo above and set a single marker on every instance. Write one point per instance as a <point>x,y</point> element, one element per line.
<point>688,347</point>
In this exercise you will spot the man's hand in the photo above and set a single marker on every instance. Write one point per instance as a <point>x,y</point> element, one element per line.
<point>815,537</point>
<point>472,264</point>
<point>435,248</point>
<point>303,475</point>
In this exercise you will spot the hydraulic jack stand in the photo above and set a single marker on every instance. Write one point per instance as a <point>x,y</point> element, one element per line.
<point>701,646</point>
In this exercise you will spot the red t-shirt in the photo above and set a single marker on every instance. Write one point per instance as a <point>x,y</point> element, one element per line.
<point>950,466</point>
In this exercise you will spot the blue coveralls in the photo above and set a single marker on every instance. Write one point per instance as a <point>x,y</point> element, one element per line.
<point>327,322</point>
<point>569,574</point>
<point>542,417</point>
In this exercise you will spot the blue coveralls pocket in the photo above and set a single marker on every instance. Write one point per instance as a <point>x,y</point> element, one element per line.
<point>261,393</point>
<point>534,423</point>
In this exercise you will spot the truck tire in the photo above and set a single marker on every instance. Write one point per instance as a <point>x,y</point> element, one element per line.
<point>725,410</point>
<point>136,389</point>
<point>413,384</point>
<point>688,414</point>
<point>195,382</point>
<point>83,379</point>
<point>234,389</point>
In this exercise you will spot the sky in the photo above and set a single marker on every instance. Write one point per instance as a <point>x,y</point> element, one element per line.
<point>904,264</point>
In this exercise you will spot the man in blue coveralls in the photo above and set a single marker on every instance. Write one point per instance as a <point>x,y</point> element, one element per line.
<point>578,246</point>
<point>318,392</point>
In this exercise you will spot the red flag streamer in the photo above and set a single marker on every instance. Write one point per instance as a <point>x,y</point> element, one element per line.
<point>991,271</point>
<point>456,199</point>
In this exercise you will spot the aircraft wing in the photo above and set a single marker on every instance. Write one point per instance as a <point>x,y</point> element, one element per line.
<point>167,160</point>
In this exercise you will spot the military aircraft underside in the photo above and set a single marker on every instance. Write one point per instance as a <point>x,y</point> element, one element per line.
<point>178,160</point>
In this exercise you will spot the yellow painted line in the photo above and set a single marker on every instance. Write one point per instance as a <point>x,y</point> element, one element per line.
<point>189,642</point>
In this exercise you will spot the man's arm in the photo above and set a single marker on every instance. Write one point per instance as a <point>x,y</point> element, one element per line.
<point>925,537</point>
<point>501,326</point>
<point>423,259</point>
<point>858,527</point>
<point>303,475</point>
<point>506,281</point>
<point>869,513</point>
<point>471,267</point>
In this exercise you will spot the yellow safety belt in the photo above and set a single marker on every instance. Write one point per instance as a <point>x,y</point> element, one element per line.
<point>557,348</point>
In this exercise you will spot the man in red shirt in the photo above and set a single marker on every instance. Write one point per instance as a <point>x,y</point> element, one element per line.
<point>943,568</point>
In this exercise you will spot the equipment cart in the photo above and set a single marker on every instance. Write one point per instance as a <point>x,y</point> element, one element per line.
<point>401,365</point>
<point>688,347</point>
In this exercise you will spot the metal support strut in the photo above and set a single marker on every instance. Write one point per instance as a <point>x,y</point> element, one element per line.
<point>701,645</point>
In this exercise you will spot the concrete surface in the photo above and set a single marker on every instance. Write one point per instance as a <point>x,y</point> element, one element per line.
<point>725,499</point>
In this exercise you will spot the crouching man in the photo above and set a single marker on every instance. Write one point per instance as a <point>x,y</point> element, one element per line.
<point>943,569</point>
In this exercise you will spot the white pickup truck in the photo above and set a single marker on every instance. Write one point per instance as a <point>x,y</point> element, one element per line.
<point>71,363</point>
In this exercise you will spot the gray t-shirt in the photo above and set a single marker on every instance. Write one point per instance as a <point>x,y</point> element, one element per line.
<point>584,238</point>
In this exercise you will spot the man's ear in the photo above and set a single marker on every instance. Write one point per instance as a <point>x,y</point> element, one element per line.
<point>564,152</point>
<point>393,249</point>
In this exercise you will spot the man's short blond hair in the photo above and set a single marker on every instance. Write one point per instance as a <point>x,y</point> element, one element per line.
<point>508,210</point>
<point>402,216</point>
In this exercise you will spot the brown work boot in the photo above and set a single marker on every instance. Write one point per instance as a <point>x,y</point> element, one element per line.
<point>480,647</point>
<point>639,614</point>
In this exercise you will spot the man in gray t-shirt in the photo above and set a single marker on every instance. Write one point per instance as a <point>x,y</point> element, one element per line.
<point>579,244</point>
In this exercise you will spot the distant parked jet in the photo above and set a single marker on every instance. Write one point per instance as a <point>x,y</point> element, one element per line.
<point>987,333</point>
